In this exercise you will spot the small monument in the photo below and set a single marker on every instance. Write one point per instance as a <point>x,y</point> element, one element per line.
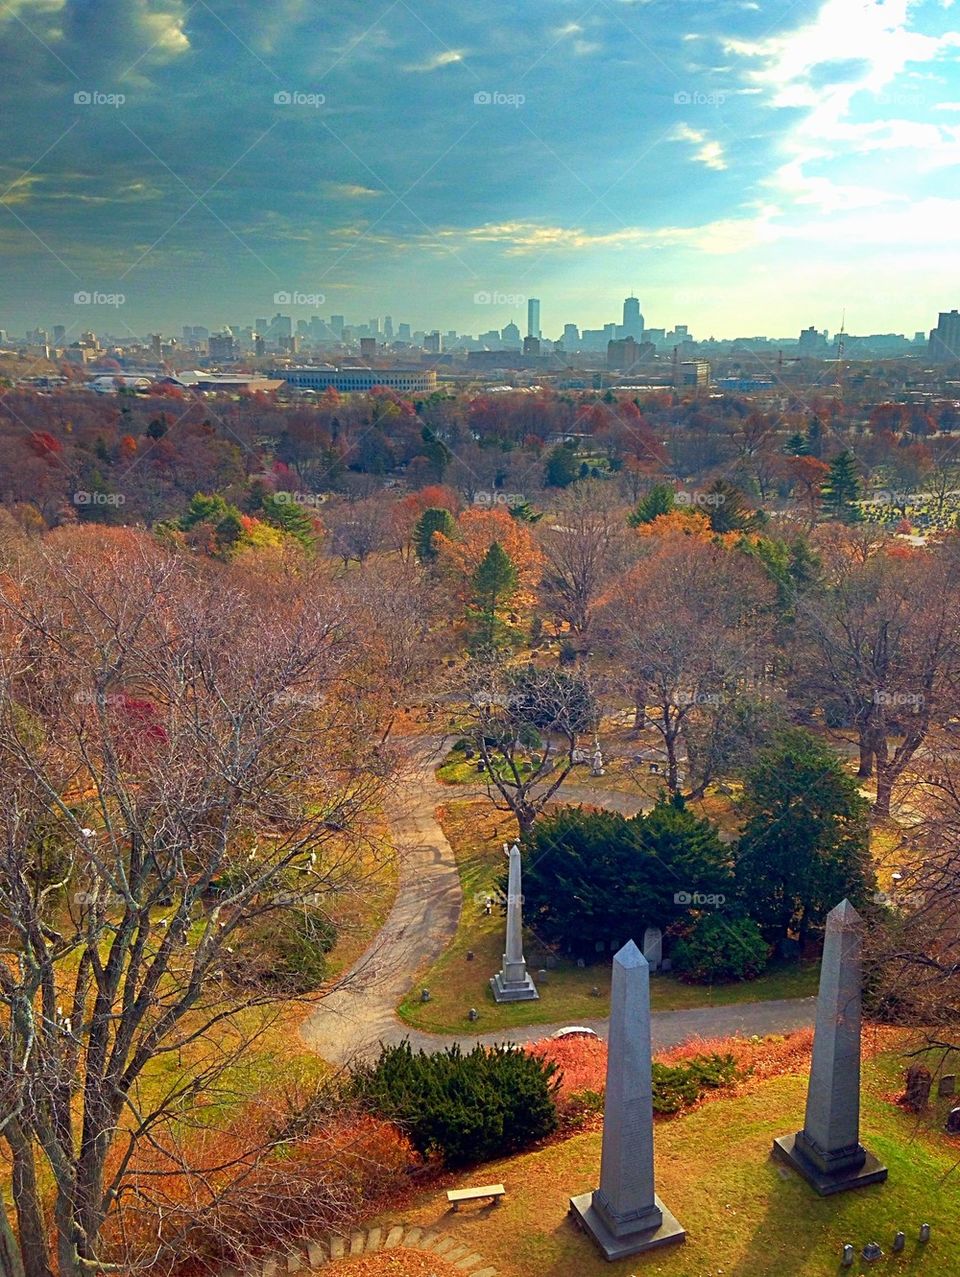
<point>827,1152</point>
<point>512,982</point>
<point>653,947</point>
<point>624,1216</point>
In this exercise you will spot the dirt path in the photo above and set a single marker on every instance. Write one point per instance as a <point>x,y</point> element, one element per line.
<point>359,1014</point>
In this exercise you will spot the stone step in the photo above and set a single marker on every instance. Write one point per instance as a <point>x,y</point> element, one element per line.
<point>412,1236</point>
<point>458,1252</point>
<point>316,1254</point>
<point>468,1262</point>
<point>427,1241</point>
<point>484,1272</point>
<point>357,1243</point>
<point>338,1247</point>
<point>294,1262</point>
<point>373,1239</point>
<point>443,1245</point>
<point>394,1237</point>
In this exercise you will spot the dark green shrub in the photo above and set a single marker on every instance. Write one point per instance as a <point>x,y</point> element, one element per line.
<point>721,948</point>
<point>466,1108</point>
<point>676,1086</point>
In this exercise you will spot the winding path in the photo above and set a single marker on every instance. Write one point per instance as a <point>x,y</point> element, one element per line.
<point>359,1014</point>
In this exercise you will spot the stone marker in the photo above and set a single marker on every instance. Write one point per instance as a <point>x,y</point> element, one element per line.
<point>871,1252</point>
<point>924,1233</point>
<point>512,982</point>
<point>849,1254</point>
<point>947,1085</point>
<point>827,1152</point>
<point>624,1215</point>
<point>653,947</point>
<point>953,1122</point>
<point>899,1241</point>
<point>916,1095</point>
<point>473,1014</point>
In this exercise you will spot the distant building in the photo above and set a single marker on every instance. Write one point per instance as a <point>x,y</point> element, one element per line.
<point>632,319</point>
<point>431,342</point>
<point>221,346</point>
<point>692,374</point>
<point>811,343</point>
<point>625,353</point>
<point>347,380</point>
<point>533,317</point>
<point>571,336</point>
<point>945,338</point>
<point>368,347</point>
<point>510,336</point>
<point>531,345</point>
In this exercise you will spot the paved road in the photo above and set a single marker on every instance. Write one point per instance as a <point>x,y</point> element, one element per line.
<point>359,1014</point>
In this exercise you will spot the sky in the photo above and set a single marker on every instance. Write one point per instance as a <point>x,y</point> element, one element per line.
<point>744,166</point>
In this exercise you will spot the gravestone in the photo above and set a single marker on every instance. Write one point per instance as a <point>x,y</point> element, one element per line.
<point>849,1254</point>
<point>624,1216</point>
<point>543,975</point>
<point>953,1122</point>
<point>947,1085</point>
<point>924,1233</point>
<point>917,1086</point>
<point>899,1241</point>
<point>827,1152</point>
<point>473,1014</point>
<point>666,965</point>
<point>512,982</point>
<point>653,947</point>
<point>871,1252</point>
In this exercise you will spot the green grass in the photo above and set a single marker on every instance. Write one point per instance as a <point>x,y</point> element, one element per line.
<point>457,769</point>
<point>456,984</point>
<point>745,1216</point>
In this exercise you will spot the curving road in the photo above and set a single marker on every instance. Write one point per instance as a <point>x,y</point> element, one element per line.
<point>358,1014</point>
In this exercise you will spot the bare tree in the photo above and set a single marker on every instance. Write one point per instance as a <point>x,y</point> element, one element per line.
<point>184,756</point>
<point>524,725</point>
<point>586,544</point>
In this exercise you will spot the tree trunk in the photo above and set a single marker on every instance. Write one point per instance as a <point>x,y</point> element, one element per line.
<point>31,1226</point>
<point>11,1263</point>
<point>866,755</point>
<point>884,791</point>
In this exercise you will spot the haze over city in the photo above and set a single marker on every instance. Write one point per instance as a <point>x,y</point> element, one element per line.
<point>746,168</point>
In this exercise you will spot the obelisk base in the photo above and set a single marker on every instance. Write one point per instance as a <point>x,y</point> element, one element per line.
<point>587,1217</point>
<point>869,1170</point>
<point>513,990</point>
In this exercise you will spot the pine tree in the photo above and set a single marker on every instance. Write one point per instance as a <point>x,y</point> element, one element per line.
<point>493,585</point>
<point>434,519</point>
<point>659,500</point>
<point>842,488</point>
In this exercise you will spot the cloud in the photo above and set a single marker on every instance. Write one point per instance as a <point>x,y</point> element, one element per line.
<point>351,191</point>
<point>708,151</point>
<point>449,57</point>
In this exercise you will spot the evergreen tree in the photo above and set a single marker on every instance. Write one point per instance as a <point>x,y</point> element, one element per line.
<point>562,468</point>
<point>727,508</point>
<point>493,585</point>
<point>842,488</point>
<point>434,519</point>
<point>805,842</point>
<point>661,499</point>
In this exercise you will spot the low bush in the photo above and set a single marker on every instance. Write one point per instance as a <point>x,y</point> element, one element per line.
<point>721,949</point>
<point>678,1086</point>
<point>464,1108</point>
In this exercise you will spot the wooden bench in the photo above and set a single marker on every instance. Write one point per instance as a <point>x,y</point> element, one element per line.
<point>457,1195</point>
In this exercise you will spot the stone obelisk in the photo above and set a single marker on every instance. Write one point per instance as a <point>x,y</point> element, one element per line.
<point>827,1152</point>
<point>624,1215</point>
<point>512,983</point>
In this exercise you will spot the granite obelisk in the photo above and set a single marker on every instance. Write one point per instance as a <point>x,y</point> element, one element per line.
<point>512,982</point>
<point>827,1152</point>
<point>624,1215</point>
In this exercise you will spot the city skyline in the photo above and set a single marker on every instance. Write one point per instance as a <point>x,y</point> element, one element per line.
<point>177,155</point>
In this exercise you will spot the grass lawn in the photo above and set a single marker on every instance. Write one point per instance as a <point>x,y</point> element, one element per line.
<point>745,1216</point>
<point>457,984</point>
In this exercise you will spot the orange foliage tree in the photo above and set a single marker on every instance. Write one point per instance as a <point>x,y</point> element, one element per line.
<point>476,532</point>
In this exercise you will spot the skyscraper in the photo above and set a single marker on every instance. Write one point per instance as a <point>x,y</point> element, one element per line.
<point>945,338</point>
<point>533,316</point>
<point>632,319</point>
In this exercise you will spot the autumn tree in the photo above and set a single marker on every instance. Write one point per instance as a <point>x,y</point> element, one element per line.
<point>187,749</point>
